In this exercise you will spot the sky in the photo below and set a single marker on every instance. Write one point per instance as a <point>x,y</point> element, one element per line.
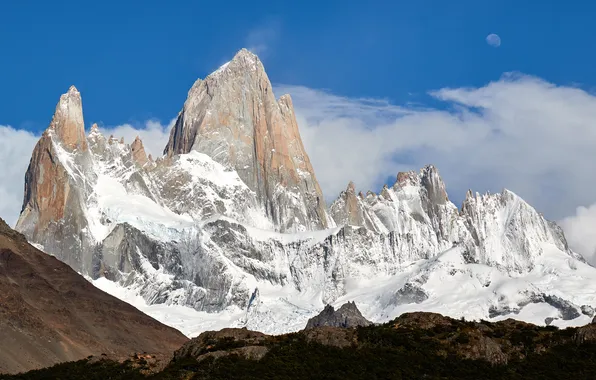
<point>400,84</point>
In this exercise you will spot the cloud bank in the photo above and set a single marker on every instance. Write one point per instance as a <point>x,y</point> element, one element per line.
<point>520,132</point>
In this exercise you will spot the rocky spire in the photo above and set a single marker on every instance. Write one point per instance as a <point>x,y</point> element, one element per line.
<point>434,185</point>
<point>94,129</point>
<point>349,210</point>
<point>347,316</point>
<point>68,124</point>
<point>138,152</point>
<point>52,201</point>
<point>233,117</point>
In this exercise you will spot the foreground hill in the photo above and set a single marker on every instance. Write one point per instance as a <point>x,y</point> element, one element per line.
<point>51,314</point>
<point>413,346</point>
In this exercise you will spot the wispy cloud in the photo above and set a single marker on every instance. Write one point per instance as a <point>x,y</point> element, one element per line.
<point>261,39</point>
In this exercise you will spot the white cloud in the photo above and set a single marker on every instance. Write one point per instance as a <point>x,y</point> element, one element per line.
<point>15,152</point>
<point>519,132</point>
<point>579,231</point>
<point>261,39</point>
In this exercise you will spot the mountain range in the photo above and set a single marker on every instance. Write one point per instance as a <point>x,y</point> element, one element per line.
<point>231,223</point>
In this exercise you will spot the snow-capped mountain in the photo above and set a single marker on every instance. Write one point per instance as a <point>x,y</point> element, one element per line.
<point>232,223</point>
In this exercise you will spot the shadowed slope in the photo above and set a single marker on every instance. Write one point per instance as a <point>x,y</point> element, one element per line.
<point>50,314</point>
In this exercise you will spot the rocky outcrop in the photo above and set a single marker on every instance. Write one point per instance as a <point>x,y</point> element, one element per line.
<point>349,209</point>
<point>216,344</point>
<point>346,316</point>
<point>433,337</point>
<point>68,123</point>
<point>138,152</point>
<point>50,314</point>
<point>233,117</point>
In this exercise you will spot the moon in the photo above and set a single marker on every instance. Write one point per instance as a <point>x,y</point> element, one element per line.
<point>493,40</point>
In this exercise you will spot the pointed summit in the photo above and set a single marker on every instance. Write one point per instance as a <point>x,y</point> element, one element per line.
<point>233,117</point>
<point>73,90</point>
<point>67,124</point>
<point>138,152</point>
<point>247,59</point>
<point>52,197</point>
<point>348,209</point>
<point>351,187</point>
<point>434,185</point>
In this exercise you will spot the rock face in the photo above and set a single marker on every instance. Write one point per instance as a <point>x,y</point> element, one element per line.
<point>138,152</point>
<point>50,314</point>
<point>346,316</point>
<point>233,117</point>
<point>68,123</point>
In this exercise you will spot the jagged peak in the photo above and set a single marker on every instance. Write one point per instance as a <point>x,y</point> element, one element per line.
<point>73,90</point>
<point>138,151</point>
<point>406,178</point>
<point>509,193</point>
<point>429,171</point>
<point>67,98</point>
<point>94,133</point>
<point>429,168</point>
<point>67,124</point>
<point>434,184</point>
<point>243,60</point>
<point>244,55</point>
<point>385,192</point>
<point>286,101</point>
<point>351,188</point>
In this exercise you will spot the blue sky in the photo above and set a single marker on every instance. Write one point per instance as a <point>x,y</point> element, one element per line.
<point>135,60</point>
<point>397,84</point>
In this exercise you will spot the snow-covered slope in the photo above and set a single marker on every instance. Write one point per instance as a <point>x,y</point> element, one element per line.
<point>192,242</point>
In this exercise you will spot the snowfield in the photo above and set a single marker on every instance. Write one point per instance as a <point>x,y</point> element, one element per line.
<point>456,289</point>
